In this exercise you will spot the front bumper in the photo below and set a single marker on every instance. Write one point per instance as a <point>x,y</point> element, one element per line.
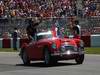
<point>67,55</point>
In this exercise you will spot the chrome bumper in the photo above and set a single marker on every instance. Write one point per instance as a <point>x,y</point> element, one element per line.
<point>67,53</point>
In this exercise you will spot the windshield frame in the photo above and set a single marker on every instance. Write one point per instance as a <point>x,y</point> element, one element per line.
<point>44,35</point>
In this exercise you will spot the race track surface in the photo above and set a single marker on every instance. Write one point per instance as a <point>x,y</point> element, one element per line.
<point>11,64</point>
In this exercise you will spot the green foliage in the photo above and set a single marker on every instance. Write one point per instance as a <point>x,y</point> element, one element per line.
<point>92,50</point>
<point>7,50</point>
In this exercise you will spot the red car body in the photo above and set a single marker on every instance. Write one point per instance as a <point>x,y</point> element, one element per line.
<point>52,48</point>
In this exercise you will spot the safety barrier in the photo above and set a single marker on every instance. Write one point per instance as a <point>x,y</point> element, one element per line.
<point>95,40</point>
<point>8,43</point>
<point>89,41</point>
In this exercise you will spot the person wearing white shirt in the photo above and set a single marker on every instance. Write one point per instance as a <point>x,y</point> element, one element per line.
<point>77,28</point>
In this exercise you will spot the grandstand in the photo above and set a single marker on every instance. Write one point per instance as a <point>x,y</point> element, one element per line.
<point>15,13</point>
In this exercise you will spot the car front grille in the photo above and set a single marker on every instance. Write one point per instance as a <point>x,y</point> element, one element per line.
<point>66,48</point>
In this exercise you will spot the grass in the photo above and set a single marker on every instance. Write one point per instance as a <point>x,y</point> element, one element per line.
<point>92,50</point>
<point>88,50</point>
<point>7,50</point>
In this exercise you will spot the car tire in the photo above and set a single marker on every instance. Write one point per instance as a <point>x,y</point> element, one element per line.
<point>47,56</point>
<point>54,60</point>
<point>79,59</point>
<point>25,58</point>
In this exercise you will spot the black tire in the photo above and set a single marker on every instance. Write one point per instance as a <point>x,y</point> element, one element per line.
<point>47,56</point>
<point>79,59</point>
<point>54,61</point>
<point>25,58</point>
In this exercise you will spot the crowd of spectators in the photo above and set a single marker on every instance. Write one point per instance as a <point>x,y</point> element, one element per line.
<point>47,8</point>
<point>91,8</point>
<point>29,8</point>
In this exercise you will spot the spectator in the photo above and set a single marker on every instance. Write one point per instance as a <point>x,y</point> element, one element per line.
<point>15,36</point>
<point>40,6</point>
<point>1,9</point>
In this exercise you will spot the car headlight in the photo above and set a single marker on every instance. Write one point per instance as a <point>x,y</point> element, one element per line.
<point>63,49</point>
<point>68,52</point>
<point>54,46</point>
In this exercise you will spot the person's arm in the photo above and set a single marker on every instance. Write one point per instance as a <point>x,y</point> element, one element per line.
<point>35,25</point>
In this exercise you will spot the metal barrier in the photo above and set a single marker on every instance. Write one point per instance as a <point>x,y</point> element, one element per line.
<point>93,23</point>
<point>8,25</point>
<point>8,43</point>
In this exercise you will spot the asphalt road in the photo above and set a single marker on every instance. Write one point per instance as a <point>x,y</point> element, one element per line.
<point>11,64</point>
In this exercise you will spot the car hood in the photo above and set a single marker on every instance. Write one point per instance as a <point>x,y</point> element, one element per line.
<point>68,41</point>
<point>60,41</point>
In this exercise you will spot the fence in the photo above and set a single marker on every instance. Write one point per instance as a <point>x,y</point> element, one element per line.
<point>89,25</point>
<point>92,25</point>
<point>7,25</point>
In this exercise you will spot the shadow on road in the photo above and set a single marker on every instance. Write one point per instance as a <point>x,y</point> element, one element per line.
<point>41,64</point>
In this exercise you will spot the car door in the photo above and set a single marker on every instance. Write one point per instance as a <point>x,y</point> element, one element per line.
<point>39,49</point>
<point>35,49</point>
<point>32,50</point>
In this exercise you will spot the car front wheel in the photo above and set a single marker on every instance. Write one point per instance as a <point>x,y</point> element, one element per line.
<point>80,59</point>
<point>25,59</point>
<point>47,57</point>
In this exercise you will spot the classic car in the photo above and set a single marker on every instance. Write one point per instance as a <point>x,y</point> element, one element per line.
<point>50,48</point>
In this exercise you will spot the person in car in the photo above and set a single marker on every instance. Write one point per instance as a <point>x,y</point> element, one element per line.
<point>76,29</point>
<point>32,27</point>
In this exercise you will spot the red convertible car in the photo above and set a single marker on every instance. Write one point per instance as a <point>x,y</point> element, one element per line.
<point>50,48</point>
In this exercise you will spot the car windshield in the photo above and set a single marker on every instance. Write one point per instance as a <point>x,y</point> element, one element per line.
<point>43,35</point>
<point>69,47</point>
